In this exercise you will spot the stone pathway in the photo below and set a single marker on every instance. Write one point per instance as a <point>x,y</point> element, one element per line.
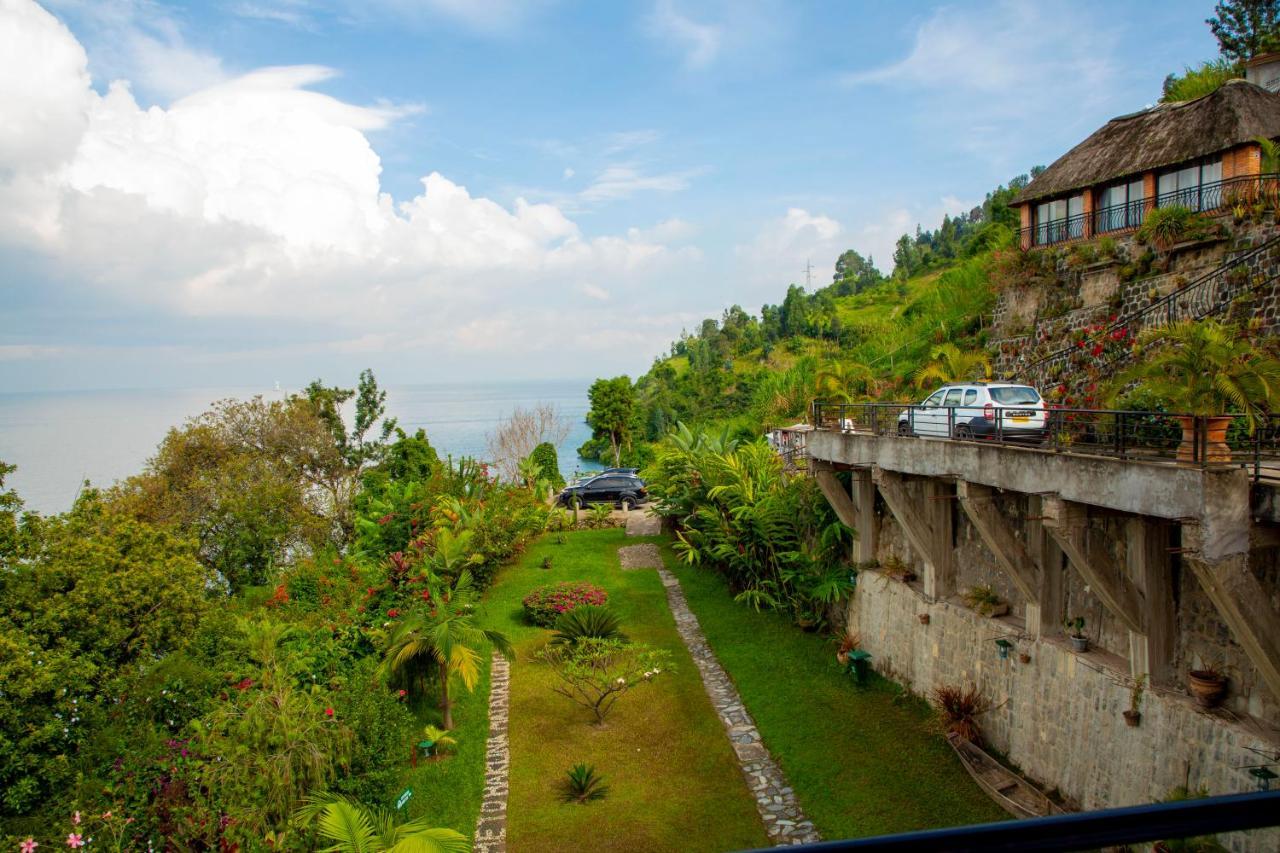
<point>783,818</point>
<point>641,523</point>
<point>646,556</point>
<point>491,830</point>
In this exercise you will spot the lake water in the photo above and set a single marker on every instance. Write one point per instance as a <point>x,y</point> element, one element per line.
<point>59,439</point>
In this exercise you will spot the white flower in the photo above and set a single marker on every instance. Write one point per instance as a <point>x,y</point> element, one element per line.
<point>622,680</point>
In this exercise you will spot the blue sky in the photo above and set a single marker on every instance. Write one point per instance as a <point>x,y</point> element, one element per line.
<point>233,192</point>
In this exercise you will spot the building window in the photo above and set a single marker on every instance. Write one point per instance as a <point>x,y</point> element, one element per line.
<point>1119,206</point>
<point>1059,220</point>
<point>1198,186</point>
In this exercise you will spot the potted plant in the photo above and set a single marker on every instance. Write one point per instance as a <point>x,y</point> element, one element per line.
<point>984,599</point>
<point>1075,633</point>
<point>848,643</point>
<point>1207,685</point>
<point>1134,715</point>
<point>1205,369</point>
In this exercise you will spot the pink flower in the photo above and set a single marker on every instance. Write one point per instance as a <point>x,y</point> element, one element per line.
<point>74,839</point>
<point>29,846</point>
<point>75,818</point>
<point>106,815</point>
<point>403,692</point>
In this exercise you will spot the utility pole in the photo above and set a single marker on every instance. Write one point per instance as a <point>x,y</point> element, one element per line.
<point>808,274</point>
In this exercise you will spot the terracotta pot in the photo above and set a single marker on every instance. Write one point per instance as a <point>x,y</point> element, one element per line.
<point>842,658</point>
<point>1216,450</point>
<point>1023,657</point>
<point>924,618</point>
<point>1132,718</point>
<point>1207,687</point>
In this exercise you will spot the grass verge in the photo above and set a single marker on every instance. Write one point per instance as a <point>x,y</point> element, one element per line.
<point>863,761</point>
<point>674,780</point>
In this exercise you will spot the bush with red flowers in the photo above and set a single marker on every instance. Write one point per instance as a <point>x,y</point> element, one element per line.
<point>544,605</point>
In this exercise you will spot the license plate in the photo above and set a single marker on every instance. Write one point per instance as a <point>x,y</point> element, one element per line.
<point>1020,420</point>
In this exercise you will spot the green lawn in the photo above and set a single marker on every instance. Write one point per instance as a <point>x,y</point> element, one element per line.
<point>675,783</point>
<point>862,762</point>
<point>449,789</point>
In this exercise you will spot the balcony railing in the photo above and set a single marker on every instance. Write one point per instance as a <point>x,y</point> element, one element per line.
<point>1205,198</point>
<point>1134,435</point>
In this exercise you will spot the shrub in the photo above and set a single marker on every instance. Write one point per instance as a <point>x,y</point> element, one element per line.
<point>582,785</point>
<point>544,605</point>
<point>597,673</point>
<point>960,707</point>
<point>588,620</point>
<point>983,599</point>
<point>544,456</point>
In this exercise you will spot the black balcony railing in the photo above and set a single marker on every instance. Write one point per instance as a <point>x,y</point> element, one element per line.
<point>1206,198</point>
<point>1135,435</point>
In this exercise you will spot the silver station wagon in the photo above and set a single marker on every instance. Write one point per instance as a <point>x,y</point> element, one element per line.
<point>970,410</point>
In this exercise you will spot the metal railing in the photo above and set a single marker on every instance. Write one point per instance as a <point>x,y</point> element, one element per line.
<point>1209,294</point>
<point>1094,830</point>
<point>1121,434</point>
<point>1204,198</point>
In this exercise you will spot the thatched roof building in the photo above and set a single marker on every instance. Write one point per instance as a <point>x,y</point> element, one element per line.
<point>1166,135</point>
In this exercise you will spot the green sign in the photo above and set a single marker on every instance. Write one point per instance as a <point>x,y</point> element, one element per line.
<point>404,797</point>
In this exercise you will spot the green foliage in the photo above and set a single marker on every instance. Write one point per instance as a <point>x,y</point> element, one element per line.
<point>775,538</point>
<point>1204,79</point>
<point>1166,226</point>
<point>441,740</point>
<point>583,785</point>
<point>354,828</point>
<point>587,621</point>
<point>595,673</point>
<point>1245,28</point>
<point>612,412</point>
<point>355,445</point>
<point>950,364</point>
<point>548,464</point>
<point>545,604</point>
<point>1206,368</point>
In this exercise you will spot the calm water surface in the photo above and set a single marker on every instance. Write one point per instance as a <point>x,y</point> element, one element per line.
<point>60,439</point>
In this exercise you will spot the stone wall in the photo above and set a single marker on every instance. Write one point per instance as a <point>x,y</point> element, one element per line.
<point>1058,718</point>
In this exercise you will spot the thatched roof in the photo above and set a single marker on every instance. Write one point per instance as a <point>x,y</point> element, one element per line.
<point>1162,136</point>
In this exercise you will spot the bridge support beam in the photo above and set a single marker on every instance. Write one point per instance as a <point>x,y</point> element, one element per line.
<point>997,534</point>
<point>1147,559</point>
<point>863,491</point>
<point>1067,523</point>
<point>1241,602</point>
<point>927,525</point>
<point>1045,617</point>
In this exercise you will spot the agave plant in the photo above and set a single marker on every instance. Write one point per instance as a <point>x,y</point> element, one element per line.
<point>583,785</point>
<point>584,621</point>
<point>354,828</point>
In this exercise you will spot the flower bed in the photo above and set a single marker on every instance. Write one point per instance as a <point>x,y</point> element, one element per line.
<point>544,605</point>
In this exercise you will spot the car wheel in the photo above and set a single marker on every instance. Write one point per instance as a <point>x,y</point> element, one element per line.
<point>904,428</point>
<point>627,504</point>
<point>964,432</point>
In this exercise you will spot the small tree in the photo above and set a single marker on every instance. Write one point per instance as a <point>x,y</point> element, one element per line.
<point>548,462</point>
<point>613,403</point>
<point>519,435</point>
<point>1245,28</point>
<point>353,828</point>
<point>596,673</point>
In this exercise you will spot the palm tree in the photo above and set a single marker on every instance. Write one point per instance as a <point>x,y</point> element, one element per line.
<point>951,364</point>
<point>839,380</point>
<point>354,828</point>
<point>1206,368</point>
<point>445,639</point>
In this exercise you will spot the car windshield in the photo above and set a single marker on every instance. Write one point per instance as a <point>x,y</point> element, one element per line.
<point>1015,395</point>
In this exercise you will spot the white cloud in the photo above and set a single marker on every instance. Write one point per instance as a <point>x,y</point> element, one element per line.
<point>568,173</point>
<point>699,42</point>
<point>674,230</point>
<point>259,199</point>
<point>783,247</point>
<point>619,182</point>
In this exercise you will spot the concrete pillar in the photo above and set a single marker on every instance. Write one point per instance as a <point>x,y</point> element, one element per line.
<point>1147,561</point>
<point>863,491</point>
<point>1149,190</point>
<point>1045,617</point>
<point>938,498</point>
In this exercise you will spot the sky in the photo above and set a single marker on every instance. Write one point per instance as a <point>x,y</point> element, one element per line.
<point>240,192</point>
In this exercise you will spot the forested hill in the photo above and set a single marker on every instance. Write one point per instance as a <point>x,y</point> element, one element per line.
<point>863,335</point>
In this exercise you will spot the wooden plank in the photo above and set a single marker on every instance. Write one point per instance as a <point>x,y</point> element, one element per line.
<point>978,502</point>
<point>839,499</point>
<point>863,492</point>
<point>1067,523</point>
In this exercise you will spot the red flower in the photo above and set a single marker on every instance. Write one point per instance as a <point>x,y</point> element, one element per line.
<point>386,518</point>
<point>1097,350</point>
<point>403,693</point>
<point>244,684</point>
<point>393,613</point>
<point>328,712</point>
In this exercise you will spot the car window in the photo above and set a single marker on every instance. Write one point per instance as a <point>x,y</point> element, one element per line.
<point>606,483</point>
<point>1015,395</point>
<point>970,396</point>
<point>953,397</point>
<point>935,399</point>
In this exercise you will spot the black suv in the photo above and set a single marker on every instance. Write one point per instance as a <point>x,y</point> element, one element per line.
<point>621,490</point>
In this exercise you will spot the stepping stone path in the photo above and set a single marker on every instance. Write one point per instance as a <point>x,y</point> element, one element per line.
<point>643,524</point>
<point>645,556</point>
<point>491,830</point>
<point>783,819</point>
